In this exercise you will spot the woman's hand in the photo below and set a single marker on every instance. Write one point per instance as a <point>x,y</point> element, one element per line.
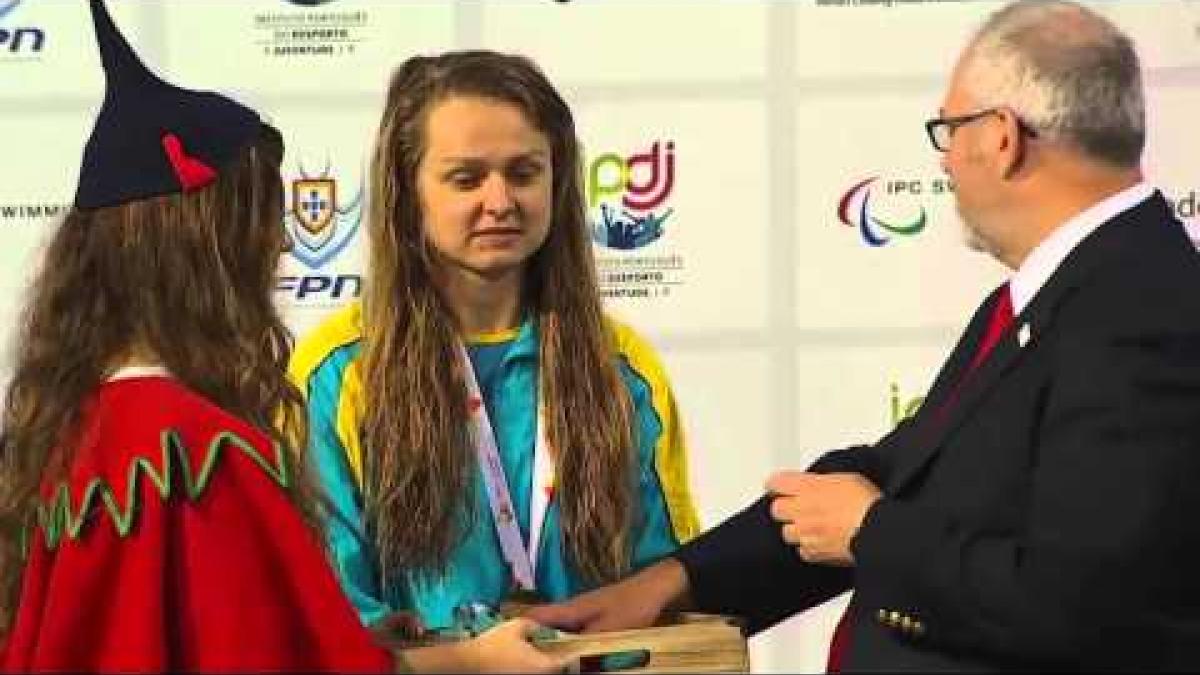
<point>503,649</point>
<point>397,629</point>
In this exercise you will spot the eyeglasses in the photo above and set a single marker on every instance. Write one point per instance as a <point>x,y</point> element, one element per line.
<point>940,129</point>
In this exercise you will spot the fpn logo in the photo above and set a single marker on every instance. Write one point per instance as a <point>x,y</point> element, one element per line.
<point>19,40</point>
<point>857,208</point>
<point>321,225</point>
<point>627,196</point>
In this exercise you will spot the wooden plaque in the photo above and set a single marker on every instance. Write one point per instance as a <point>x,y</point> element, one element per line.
<point>693,643</point>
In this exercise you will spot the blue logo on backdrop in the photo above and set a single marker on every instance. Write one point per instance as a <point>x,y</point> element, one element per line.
<point>320,225</point>
<point>6,7</point>
<point>19,40</point>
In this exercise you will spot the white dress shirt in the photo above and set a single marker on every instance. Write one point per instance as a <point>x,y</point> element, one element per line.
<point>1041,263</point>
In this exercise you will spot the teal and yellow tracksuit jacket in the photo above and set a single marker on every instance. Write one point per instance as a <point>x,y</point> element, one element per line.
<point>326,366</point>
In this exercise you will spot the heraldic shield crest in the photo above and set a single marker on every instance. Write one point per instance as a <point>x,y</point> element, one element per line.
<point>320,225</point>
<point>314,201</point>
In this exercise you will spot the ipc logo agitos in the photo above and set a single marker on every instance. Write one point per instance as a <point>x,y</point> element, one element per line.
<point>857,207</point>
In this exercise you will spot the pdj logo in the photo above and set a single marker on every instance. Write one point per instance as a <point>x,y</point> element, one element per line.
<point>626,196</point>
<point>855,210</point>
<point>19,40</point>
<point>319,224</point>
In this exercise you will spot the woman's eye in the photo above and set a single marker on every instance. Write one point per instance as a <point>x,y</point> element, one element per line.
<point>525,173</point>
<point>463,180</point>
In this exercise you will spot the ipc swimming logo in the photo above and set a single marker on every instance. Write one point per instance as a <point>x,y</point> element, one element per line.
<point>856,209</point>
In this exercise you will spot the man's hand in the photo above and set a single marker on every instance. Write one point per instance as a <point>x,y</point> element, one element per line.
<point>820,513</point>
<point>636,602</point>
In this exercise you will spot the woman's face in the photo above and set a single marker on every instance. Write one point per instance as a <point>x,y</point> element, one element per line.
<point>485,185</point>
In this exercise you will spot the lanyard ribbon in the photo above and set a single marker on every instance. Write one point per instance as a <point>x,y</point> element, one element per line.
<point>522,561</point>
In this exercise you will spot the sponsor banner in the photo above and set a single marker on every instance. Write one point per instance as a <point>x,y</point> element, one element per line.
<point>317,48</point>
<point>325,206</point>
<point>708,385</point>
<point>678,213</point>
<point>880,242</point>
<point>41,163</point>
<point>324,219</point>
<point>672,102</point>
<point>843,40</point>
<point>20,39</point>
<point>852,395</point>
<point>632,41</point>
<point>1166,33</point>
<point>1170,158</point>
<point>49,48</point>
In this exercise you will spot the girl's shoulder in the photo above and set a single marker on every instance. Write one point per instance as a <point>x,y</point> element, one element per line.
<point>635,350</point>
<point>631,345</point>
<point>341,333</point>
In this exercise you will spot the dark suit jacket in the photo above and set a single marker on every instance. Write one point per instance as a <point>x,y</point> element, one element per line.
<point>1050,518</point>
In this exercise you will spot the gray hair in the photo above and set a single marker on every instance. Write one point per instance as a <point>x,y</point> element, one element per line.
<point>1066,72</point>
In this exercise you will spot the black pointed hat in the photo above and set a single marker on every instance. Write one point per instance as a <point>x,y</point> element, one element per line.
<point>153,138</point>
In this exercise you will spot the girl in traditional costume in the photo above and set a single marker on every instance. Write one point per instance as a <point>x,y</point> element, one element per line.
<point>154,512</point>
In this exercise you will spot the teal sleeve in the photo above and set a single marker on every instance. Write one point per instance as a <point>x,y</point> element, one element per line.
<point>656,540</point>
<point>654,535</point>
<point>353,555</point>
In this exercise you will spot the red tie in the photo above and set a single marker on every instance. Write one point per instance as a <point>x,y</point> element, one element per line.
<point>998,322</point>
<point>1001,319</point>
<point>839,646</point>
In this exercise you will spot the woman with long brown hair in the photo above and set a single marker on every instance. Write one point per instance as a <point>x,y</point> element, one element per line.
<point>482,428</point>
<point>154,512</point>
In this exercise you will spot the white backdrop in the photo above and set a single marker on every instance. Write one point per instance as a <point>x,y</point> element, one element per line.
<point>782,125</point>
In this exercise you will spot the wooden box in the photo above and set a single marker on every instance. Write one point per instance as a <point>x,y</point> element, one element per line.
<point>693,643</point>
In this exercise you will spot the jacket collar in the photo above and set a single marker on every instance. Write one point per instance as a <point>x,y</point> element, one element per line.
<point>1119,236</point>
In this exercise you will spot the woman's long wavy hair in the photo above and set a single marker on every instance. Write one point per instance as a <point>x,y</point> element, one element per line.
<point>187,278</point>
<point>419,455</point>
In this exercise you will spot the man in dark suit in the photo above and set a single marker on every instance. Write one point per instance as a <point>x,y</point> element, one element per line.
<point>1042,509</point>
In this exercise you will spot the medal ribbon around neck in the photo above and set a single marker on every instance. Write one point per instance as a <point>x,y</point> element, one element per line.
<point>522,561</point>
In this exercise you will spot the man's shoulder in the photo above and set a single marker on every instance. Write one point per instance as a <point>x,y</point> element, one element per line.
<point>1146,282</point>
<point>1155,256</point>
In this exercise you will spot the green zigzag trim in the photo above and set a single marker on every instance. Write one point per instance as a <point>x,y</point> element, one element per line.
<point>59,520</point>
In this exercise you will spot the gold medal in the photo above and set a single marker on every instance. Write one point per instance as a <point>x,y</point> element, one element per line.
<point>519,601</point>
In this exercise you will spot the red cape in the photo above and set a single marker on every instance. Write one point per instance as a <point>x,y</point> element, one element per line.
<point>173,546</point>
